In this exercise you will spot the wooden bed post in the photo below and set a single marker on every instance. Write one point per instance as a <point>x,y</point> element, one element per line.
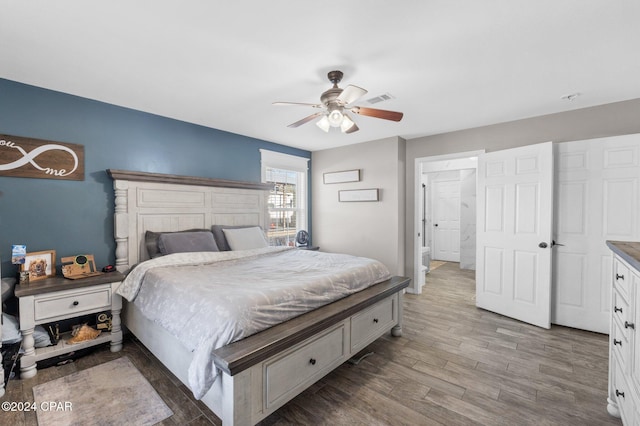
<point>236,404</point>
<point>121,225</point>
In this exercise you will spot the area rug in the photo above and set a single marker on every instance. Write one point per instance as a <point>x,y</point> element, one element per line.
<point>113,393</point>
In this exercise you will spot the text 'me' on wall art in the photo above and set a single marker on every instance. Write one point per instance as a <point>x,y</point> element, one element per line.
<point>37,158</point>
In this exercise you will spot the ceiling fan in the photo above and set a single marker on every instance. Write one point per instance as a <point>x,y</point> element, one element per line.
<point>335,104</point>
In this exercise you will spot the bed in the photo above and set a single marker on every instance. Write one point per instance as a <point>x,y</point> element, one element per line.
<point>257,374</point>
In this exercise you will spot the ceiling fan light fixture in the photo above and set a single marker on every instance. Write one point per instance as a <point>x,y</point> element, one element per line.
<point>337,103</point>
<point>323,123</point>
<point>346,124</point>
<point>335,118</point>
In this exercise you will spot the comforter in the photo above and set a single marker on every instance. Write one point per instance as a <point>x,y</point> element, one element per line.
<point>210,299</point>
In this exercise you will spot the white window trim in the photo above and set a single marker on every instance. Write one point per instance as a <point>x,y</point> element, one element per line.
<point>278,160</point>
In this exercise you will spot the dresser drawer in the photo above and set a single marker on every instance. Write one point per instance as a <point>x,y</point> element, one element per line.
<point>620,347</point>
<point>372,322</point>
<point>621,310</point>
<point>623,395</point>
<point>287,375</point>
<point>622,278</point>
<point>72,302</point>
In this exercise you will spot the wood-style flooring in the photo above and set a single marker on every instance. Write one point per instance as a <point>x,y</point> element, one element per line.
<point>454,365</point>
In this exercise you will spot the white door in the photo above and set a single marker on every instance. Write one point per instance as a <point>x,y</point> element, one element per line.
<point>446,220</point>
<point>514,255</point>
<point>598,191</point>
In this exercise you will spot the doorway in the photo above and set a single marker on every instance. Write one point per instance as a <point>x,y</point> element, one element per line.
<point>596,198</point>
<point>430,175</point>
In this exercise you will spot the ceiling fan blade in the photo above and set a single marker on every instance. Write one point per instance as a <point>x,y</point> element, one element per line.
<point>298,103</point>
<point>378,113</point>
<point>305,120</point>
<point>351,94</point>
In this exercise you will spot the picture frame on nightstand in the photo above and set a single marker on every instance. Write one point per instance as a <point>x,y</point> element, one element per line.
<point>40,264</point>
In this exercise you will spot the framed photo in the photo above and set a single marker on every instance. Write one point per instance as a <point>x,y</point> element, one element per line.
<point>40,264</point>
<point>359,195</point>
<point>342,177</point>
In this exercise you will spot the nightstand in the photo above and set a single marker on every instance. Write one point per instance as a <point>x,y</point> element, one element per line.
<point>58,298</point>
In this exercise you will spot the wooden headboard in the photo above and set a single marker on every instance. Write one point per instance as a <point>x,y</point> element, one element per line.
<point>165,203</point>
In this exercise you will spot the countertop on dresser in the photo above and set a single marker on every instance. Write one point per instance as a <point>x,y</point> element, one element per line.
<point>627,250</point>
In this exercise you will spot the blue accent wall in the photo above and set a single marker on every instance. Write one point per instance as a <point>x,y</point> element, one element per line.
<point>76,217</point>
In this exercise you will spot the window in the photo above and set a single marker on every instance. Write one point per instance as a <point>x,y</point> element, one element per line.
<point>288,202</point>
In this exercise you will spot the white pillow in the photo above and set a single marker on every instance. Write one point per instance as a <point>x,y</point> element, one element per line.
<point>245,238</point>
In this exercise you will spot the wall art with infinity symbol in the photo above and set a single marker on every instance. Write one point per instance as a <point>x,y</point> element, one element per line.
<point>37,158</point>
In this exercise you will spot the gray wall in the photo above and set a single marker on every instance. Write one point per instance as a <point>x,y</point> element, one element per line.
<point>614,119</point>
<point>370,229</point>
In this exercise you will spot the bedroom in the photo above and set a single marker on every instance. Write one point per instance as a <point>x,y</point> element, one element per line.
<point>75,217</point>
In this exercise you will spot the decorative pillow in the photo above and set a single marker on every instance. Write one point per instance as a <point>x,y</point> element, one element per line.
<point>245,238</point>
<point>151,240</point>
<point>41,338</point>
<point>183,242</point>
<point>10,329</point>
<point>219,236</point>
<point>7,288</point>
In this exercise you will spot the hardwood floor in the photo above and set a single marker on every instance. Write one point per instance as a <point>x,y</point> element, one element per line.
<point>454,365</point>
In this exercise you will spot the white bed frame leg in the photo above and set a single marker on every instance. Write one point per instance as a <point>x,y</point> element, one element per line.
<point>116,324</point>
<point>236,404</point>
<point>396,331</point>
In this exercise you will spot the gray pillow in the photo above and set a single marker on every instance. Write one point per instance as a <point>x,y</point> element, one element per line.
<point>245,238</point>
<point>151,240</point>
<point>10,329</point>
<point>221,240</point>
<point>41,338</point>
<point>185,242</point>
<point>7,288</point>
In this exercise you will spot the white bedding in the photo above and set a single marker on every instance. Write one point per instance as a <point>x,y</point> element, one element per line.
<point>210,299</point>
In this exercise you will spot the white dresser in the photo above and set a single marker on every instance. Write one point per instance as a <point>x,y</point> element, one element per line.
<point>624,337</point>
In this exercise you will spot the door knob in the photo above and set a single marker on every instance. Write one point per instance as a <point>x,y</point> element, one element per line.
<point>543,245</point>
<point>553,243</point>
<point>435,224</point>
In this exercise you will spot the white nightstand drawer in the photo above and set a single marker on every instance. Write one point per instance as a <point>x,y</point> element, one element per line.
<point>72,302</point>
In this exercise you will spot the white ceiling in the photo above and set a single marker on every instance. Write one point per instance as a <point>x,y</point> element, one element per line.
<point>449,64</point>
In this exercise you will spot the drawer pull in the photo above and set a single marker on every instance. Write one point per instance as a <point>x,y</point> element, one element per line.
<point>616,309</point>
<point>375,320</point>
<point>312,361</point>
<point>619,277</point>
<point>629,325</point>
<point>617,342</point>
<point>76,303</point>
<point>618,393</point>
